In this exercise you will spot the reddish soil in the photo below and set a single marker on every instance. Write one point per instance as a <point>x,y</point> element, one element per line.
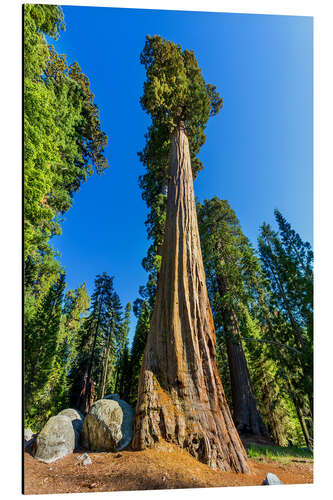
<point>165,468</point>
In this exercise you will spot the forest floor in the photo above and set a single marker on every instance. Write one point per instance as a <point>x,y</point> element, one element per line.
<point>166,468</point>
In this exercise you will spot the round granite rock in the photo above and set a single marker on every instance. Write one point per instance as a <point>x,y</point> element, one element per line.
<point>55,440</point>
<point>108,426</point>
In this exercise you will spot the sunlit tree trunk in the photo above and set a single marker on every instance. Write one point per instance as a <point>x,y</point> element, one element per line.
<point>180,396</point>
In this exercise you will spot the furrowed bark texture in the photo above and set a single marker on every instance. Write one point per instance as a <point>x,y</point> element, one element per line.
<point>246,414</point>
<point>180,396</point>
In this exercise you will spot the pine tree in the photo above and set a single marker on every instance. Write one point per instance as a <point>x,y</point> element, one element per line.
<point>109,349</point>
<point>41,336</point>
<point>298,259</point>
<point>97,341</point>
<point>143,312</point>
<point>180,396</point>
<point>291,319</point>
<point>63,146</point>
<point>123,361</point>
<point>76,305</point>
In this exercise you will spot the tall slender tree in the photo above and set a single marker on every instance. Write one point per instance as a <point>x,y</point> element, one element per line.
<point>123,362</point>
<point>180,396</point>
<point>229,260</point>
<point>109,351</point>
<point>76,305</point>
<point>298,260</point>
<point>99,331</point>
<point>41,336</point>
<point>287,264</point>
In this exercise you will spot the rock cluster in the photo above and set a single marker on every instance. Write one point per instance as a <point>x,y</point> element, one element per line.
<point>107,427</point>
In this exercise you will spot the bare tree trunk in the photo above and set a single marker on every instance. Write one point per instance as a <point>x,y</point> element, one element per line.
<point>81,400</point>
<point>180,396</point>
<point>104,376</point>
<point>84,397</point>
<point>246,414</point>
<point>90,401</point>
<point>106,362</point>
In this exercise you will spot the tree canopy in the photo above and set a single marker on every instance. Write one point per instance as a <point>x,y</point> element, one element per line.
<point>175,92</point>
<point>63,140</point>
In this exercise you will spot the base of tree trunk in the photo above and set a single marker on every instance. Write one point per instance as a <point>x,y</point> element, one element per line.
<point>205,431</point>
<point>246,414</point>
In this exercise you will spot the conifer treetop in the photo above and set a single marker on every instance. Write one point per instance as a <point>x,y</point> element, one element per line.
<point>175,93</point>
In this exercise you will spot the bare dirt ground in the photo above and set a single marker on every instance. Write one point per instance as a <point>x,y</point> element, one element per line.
<point>166,468</point>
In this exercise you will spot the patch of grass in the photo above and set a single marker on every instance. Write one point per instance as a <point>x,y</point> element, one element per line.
<point>279,453</point>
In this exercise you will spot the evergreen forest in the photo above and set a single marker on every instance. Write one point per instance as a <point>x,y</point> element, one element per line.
<point>77,346</point>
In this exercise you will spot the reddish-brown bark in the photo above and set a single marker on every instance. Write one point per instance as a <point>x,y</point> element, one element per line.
<point>180,396</point>
<point>246,414</point>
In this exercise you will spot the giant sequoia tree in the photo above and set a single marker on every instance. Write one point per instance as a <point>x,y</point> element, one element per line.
<point>180,396</point>
<point>230,264</point>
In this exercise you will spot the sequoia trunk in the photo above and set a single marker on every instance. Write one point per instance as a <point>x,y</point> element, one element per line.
<point>245,408</point>
<point>180,396</point>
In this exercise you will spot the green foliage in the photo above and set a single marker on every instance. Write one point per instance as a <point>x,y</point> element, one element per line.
<point>279,453</point>
<point>175,92</point>
<point>41,335</point>
<point>291,280</point>
<point>274,401</point>
<point>236,282</point>
<point>227,254</point>
<point>223,364</point>
<point>297,260</point>
<point>51,338</point>
<point>123,356</point>
<point>63,142</point>
<point>63,146</point>
<point>39,20</point>
<point>75,307</point>
<point>143,312</point>
<point>99,339</point>
<point>287,262</point>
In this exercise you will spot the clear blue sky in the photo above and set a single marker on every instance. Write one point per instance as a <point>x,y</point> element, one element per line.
<point>259,149</point>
